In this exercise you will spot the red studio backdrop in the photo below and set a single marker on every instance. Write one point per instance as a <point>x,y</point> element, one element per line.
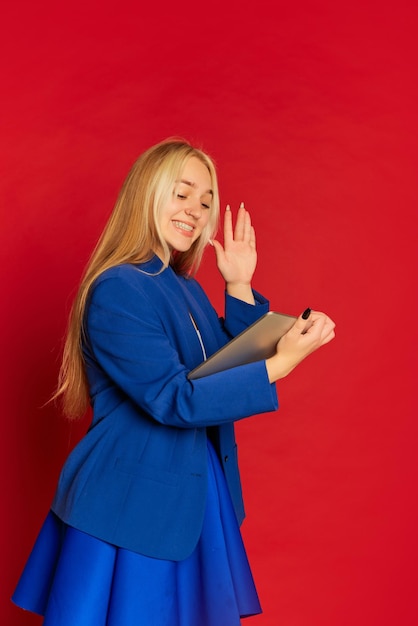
<point>309,111</point>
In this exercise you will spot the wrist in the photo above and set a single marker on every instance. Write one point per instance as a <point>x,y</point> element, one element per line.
<point>241,291</point>
<point>278,367</point>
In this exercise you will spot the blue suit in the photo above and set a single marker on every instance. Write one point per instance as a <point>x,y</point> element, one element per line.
<point>138,477</point>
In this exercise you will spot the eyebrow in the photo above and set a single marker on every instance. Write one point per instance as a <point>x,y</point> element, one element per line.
<point>190,184</point>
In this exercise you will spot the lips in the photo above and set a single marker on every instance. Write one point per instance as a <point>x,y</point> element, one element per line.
<point>186,229</point>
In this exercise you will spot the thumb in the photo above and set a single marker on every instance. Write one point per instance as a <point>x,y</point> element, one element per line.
<point>217,246</point>
<point>302,324</point>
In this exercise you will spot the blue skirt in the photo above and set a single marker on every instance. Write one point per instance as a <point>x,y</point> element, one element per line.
<point>74,579</point>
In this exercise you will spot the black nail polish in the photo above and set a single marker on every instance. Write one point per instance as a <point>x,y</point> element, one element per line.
<point>306,313</point>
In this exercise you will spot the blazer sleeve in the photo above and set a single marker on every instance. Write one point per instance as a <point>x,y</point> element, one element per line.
<point>239,315</point>
<point>126,338</point>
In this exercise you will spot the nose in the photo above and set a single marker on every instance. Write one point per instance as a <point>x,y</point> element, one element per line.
<point>194,209</point>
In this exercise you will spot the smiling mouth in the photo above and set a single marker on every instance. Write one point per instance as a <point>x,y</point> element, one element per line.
<point>183,226</point>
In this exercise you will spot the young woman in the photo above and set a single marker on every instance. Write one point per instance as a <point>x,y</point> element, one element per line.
<point>144,525</point>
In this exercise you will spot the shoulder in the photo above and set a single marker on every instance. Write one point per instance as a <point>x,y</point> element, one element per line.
<point>132,273</point>
<point>125,288</point>
<point>131,277</point>
<point>137,289</point>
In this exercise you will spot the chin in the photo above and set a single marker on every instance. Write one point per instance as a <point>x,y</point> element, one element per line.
<point>184,246</point>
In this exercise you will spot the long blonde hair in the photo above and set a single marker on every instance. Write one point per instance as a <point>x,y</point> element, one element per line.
<point>131,235</point>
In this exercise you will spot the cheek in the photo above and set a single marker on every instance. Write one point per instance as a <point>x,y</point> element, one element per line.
<point>203,227</point>
<point>206,220</point>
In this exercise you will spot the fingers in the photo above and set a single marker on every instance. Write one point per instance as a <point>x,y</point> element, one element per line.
<point>239,232</point>
<point>252,238</point>
<point>228,233</point>
<point>328,338</point>
<point>316,326</point>
<point>217,246</point>
<point>323,328</point>
<point>303,322</point>
<point>243,231</point>
<point>243,224</point>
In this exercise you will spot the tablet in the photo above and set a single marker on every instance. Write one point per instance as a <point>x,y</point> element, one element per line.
<point>255,343</point>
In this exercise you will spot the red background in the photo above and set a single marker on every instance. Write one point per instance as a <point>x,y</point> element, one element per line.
<point>309,110</point>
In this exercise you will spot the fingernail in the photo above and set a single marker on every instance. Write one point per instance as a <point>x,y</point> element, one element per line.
<point>241,206</point>
<point>228,208</point>
<point>306,313</point>
<point>211,242</point>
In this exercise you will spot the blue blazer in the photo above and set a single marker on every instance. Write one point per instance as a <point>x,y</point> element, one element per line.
<point>138,478</point>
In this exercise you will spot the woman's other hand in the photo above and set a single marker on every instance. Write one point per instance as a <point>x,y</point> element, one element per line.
<point>237,258</point>
<point>297,343</point>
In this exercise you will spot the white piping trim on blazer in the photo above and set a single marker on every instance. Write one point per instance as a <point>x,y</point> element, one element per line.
<point>199,336</point>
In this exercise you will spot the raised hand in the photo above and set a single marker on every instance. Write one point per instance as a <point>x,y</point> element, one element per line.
<point>237,258</point>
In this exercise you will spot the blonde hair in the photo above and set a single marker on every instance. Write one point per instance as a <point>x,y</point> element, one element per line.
<point>131,235</point>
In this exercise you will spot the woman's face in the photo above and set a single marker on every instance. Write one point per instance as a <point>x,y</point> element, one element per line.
<point>187,212</point>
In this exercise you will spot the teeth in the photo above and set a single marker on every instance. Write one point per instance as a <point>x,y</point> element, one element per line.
<point>183,226</point>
